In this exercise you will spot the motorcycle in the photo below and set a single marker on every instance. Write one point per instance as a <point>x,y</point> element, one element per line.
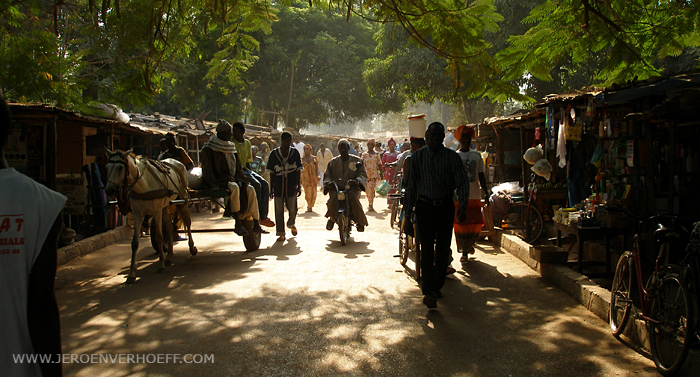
<point>344,218</point>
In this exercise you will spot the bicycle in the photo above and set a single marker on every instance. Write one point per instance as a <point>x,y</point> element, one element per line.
<point>688,270</point>
<point>525,220</point>
<point>409,244</point>
<point>397,187</point>
<point>395,198</point>
<point>667,306</point>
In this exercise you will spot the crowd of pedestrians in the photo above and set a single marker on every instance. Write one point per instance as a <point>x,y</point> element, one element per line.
<point>443,187</point>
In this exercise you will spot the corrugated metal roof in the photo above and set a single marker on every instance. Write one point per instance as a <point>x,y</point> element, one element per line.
<point>518,116</point>
<point>577,94</point>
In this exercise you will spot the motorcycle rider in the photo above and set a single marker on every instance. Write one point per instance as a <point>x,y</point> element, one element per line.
<point>345,169</point>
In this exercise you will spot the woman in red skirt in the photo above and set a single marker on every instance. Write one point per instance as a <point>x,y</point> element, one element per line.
<point>468,231</point>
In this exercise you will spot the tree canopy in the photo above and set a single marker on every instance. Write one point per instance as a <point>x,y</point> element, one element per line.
<point>230,57</point>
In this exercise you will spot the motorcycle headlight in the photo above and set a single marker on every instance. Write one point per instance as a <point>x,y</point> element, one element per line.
<point>341,196</point>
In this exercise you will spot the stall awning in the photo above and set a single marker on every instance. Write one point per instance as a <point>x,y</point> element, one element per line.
<point>630,94</point>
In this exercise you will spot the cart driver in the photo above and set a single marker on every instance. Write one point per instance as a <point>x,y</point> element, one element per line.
<point>345,169</point>
<point>221,170</point>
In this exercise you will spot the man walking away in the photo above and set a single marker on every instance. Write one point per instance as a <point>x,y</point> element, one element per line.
<point>435,173</point>
<point>285,168</point>
<point>30,223</point>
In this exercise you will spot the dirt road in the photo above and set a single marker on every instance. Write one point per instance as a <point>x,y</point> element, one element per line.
<point>313,307</point>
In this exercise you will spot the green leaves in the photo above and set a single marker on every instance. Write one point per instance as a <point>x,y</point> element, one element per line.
<point>202,54</point>
<point>633,36</point>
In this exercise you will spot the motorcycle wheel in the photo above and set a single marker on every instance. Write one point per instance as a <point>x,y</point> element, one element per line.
<point>343,228</point>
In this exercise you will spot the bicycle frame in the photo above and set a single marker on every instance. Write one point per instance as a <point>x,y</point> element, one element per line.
<point>644,295</point>
<point>533,198</point>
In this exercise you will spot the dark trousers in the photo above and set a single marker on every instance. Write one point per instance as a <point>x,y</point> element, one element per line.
<point>291,204</point>
<point>435,236</point>
<point>262,192</point>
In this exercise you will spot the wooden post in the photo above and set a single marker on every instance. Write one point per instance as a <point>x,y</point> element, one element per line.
<point>671,159</point>
<point>50,157</point>
<point>523,163</point>
<point>197,144</point>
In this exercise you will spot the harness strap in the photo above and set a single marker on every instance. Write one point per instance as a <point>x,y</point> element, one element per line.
<point>155,194</point>
<point>165,168</point>
<point>180,178</point>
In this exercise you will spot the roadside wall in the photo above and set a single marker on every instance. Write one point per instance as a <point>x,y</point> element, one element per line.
<point>94,243</point>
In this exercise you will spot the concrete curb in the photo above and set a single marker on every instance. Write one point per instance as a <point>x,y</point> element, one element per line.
<point>589,294</point>
<point>94,243</point>
<point>586,292</point>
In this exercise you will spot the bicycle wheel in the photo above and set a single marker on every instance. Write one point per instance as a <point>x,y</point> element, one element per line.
<point>620,298</point>
<point>524,222</point>
<point>672,325</point>
<point>416,249</point>
<point>403,245</point>
<point>395,208</point>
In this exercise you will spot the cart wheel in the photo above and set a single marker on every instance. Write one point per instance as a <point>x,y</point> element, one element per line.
<point>252,239</point>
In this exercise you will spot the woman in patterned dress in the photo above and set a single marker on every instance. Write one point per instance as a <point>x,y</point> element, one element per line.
<point>389,171</point>
<point>309,177</point>
<point>375,173</point>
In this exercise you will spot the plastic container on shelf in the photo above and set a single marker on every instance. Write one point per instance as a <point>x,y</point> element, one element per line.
<point>417,125</point>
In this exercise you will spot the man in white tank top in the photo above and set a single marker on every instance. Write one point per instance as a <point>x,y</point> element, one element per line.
<point>30,223</point>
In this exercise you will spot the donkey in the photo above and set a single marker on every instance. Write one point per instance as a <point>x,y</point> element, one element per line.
<point>149,186</point>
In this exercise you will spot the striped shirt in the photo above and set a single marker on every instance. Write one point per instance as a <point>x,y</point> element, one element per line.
<point>436,175</point>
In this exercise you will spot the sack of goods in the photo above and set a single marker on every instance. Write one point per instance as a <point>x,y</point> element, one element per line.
<point>533,154</point>
<point>194,179</point>
<point>543,168</point>
<point>383,188</point>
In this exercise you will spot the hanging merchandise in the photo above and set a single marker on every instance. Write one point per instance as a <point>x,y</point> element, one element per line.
<point>630,153</point>
<point>561,146</point>
<point>574,130</point>
<point>552,127</point>
<point>537,133</point>
<point>533,154</point>
<point>543,168</point>
<point>574,125</point>
<point>590,109</point>
<point>597,158</point>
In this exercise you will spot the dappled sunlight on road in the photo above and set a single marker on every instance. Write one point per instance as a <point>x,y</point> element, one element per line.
<point>310,307</point>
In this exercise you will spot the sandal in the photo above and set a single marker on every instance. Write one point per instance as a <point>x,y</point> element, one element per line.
<point>294,231</point>
<point>280,239</point>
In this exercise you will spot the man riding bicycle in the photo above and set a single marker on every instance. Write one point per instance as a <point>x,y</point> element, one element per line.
<point>345,169</point>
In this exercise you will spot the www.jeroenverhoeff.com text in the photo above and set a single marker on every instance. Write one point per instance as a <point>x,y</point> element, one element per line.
<point>120,358</point>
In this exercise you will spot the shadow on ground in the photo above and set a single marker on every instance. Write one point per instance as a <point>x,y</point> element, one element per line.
<point>489,324</point>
